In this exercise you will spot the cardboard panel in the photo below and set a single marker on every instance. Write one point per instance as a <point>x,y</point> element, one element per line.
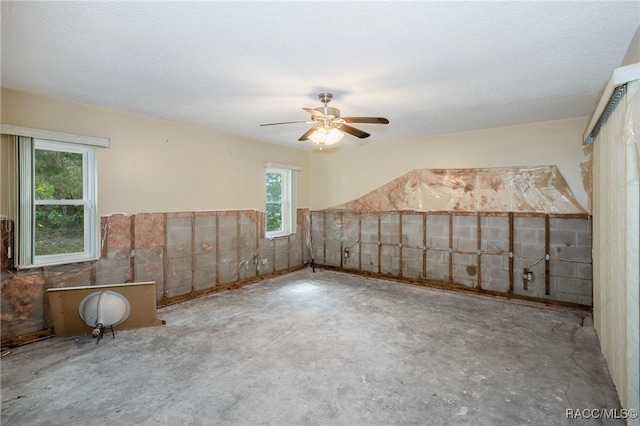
<point>64,303</point>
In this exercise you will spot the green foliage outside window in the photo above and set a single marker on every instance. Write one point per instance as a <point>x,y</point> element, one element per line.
<point>59,228</point>
<point>273,215</point>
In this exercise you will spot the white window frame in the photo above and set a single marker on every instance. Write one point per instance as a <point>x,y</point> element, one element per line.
<point>26,232</point>
<point>288,200</point>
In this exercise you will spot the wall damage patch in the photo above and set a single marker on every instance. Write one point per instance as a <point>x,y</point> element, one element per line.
<point>537,189</point>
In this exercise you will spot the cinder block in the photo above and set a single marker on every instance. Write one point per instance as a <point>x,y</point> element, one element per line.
<point>367,237</point>
<point>528,223</point>
<point>494,279</point>
<point>569,224</point>
<point>465,227</point>
<point>495,246</point>
<point>529,236</point>
<point>585,271</point>
<point>390,229</point>
<point>390,259</point>
<point>532,250</point>
<point>575,286</point>
<point>465,269</point>
<point>437,256</point>
<point>520,263</point>
<point>438,243</point>
<point>350,226</point>
<point>464,259</point>
<point>369,228</point>
<point>494,228</point>
<point>466,245</point>
<point>563,269</point>
<point>369,258</point>
<point>390,265</point>
<point>438,226</point>
<point>585,239</point>
<point>412,262</point>
<point>495,261</point>
<point>578,254</point>
<point>572,290</point>
<point>563,237</point>
<point>412,231</point>
<point>437,265</point>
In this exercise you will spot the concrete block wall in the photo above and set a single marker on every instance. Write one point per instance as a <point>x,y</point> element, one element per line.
<point>529,250</point>
<point>495,253</point>
<point>479,252</point>
<point>437,248</point>
<point>185,253</point>
<point>413,243</point>
<point>570,265</point>
<point>369,242</point>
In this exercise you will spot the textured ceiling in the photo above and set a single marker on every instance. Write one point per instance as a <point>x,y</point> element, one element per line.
<point>429,67</point>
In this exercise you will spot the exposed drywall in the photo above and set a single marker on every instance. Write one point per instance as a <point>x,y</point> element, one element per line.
<point>186,254</point>
<point>346,173</point>
<point>157,165</point>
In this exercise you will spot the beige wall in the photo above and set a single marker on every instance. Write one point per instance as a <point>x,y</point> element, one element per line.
<point>160,166</point>
<point>157,165</point>
<point>633,52</point>
<point>343,174</point>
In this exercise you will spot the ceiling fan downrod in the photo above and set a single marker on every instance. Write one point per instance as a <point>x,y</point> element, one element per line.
<point>325,98</point>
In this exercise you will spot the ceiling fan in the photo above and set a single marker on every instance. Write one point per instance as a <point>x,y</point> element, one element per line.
<point>328,127</point>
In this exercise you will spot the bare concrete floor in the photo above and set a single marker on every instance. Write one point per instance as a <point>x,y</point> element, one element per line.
<point>320,348</point>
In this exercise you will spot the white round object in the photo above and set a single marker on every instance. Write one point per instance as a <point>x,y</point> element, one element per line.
<point>104,308</point>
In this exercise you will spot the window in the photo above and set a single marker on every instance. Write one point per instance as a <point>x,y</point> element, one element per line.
<point>57,220</point>
<point>50,193</point>
<point>280,217</point>
<point>64,210</point>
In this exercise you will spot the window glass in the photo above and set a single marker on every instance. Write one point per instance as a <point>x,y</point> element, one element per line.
<point>61,224</point>
<point>280,212</point>
<point>274,214</point>
<point>59,221</point>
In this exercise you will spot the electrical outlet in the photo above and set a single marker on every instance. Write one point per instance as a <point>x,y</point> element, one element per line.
<point>346,252</point>
<point>528,276</point>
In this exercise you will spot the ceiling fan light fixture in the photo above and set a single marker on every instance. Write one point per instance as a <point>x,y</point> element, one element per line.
<point>328,127</point>
<point>326,136</point>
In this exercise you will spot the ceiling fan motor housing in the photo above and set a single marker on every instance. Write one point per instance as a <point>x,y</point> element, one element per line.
<point>325,98</point>
<point>329,111</point>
